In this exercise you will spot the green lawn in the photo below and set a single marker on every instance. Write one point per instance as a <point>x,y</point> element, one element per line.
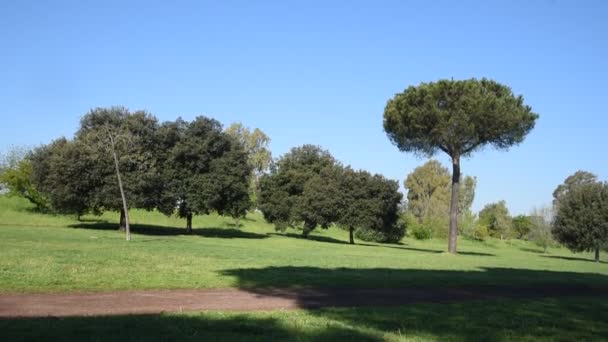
<point>44,253</point>
<point>572,319</point>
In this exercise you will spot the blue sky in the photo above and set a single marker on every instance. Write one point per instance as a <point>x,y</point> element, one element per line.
<point>316,72</point>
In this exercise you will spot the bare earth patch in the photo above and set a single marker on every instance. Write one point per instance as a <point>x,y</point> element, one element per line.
<point>157,301</point>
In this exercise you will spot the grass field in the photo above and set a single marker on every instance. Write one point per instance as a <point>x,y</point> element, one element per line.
<point>46,253</point>
<point>42,253</point>
<point>578,319</point>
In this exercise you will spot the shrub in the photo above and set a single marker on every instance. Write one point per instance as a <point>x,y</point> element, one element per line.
<point>480,232</point>
<point>392,234</point>
<point>421,232</point>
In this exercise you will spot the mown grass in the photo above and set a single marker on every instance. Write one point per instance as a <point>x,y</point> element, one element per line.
<point>46,253</point>
<point>572,319</point>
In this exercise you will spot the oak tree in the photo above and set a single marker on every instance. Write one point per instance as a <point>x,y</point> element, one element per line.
<point>581,220</point>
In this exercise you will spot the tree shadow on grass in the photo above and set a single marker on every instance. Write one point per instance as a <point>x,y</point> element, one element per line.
<point>392,245</point>
<point>317,238</point>
<point>302,276</point>
<point>536,305</point>
<point>490,304</point>
<point>549,319</point>
<point>175,327</point>
<point>572,258</point>
<point>435,251</point>
<point>154,230</point>
<point>532,250</point>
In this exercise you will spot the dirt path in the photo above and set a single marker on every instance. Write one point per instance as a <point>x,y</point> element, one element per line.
<point>157,301</point>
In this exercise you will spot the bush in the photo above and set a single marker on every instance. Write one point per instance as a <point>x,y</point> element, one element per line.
<point>480,232</point>
<point>466,223</point>
<point>393,234</point>
<point>421,232</point>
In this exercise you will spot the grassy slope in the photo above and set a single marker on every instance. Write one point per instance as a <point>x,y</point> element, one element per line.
<point>42,253</point>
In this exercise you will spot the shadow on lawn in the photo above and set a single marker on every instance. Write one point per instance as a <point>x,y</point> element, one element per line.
<point>172,327</point>
<point>146,229</point>
<point>572,258</point>
<point>436,251</point>
<point>396,246</point>
<point>532,250</point>
<point>492,304</point>
<point>301,276</point>
<point>511,312</point>
<point>317,238</point>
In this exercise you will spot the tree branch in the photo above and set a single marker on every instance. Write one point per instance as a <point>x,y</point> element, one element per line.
<point>471,148</point>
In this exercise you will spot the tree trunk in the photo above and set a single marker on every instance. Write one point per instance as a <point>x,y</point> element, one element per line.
<point>122,191</point>
<point>351,230</point>
<point>189,223</point>
<point>454,205</point>
<point>305,232</point>
<point>122,222</point>
<point>597,254</point>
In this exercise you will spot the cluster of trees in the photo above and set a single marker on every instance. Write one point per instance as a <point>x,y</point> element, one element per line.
<point>428,200</point>
<point>578,217</point>
<point>119,160</point>
<point>494,220</point>
<point>459,117</point>
<point>307,188</point>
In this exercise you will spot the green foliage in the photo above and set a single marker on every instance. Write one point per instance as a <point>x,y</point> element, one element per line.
<point>458,118</point>
<point>289,192</point>
<point>428,196</point>
<point>370,204</point>
<point>320,202</point>
<point>68,174</point>
<point>205,169</point>
<point>495,216</point>
<point>308,186</point>
<point>578,178</point>
<point>581,222</point>
<point>191,165</point>
<point>134,137</point>
<point>255,143</point>
<point>541,220</point>
<point>16,176</point>
<point>428,190</point>
<point>420,231</point>
<point>480,232</point>
<point>466,223</point>
<point>256,146</point>
<point>522,225</point>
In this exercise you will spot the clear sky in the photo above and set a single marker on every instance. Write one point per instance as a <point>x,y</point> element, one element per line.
<point>316,72</point>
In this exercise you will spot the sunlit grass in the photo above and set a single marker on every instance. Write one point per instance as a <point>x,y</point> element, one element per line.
<point>45,253</point>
